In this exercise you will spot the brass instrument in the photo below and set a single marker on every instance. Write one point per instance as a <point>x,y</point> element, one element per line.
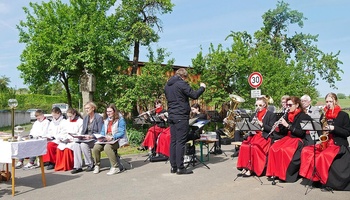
<point>232,116</point>
<point>324,137</point>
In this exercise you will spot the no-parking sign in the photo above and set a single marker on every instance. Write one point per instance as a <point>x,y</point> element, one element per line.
<point>255,79</point>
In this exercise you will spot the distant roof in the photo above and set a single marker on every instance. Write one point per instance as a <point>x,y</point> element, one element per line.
<point>173,66</point>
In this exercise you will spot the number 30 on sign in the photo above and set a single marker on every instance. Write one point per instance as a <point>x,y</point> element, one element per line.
<point>255,79</point>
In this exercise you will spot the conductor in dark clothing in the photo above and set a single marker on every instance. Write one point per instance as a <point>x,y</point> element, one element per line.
<point>178,92</point>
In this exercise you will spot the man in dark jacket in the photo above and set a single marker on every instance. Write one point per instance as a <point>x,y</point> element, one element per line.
<point>178,92</point>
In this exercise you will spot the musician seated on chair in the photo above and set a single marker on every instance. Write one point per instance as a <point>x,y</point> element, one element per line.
<point>196,113</point>
<point>254,150</point>
<point>238,135</point>
<point>332,155</point>
<point>159,126</point>
<point>114,129</point>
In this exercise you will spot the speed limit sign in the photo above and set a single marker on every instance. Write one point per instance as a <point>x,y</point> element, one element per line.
<point>255,79</point>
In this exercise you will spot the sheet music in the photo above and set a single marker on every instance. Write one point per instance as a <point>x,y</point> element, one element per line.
<point>192,121</point>
<point>200,123</point>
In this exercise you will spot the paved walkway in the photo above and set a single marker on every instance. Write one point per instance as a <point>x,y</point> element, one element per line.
<point>153,181</point>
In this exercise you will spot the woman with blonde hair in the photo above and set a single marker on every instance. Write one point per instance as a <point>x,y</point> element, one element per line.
<point>332,155</point>
<point>253,151</point>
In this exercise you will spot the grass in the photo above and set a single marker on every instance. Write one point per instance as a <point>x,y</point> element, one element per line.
<point>344,103</point>
<point>8,129</point>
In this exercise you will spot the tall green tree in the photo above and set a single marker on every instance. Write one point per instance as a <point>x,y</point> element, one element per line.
<point>63,40</point>
<point>140,23</point>
<point>4,83</point>
<point>289,63</point>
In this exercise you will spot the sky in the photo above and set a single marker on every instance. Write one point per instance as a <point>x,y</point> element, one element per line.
<point>194,24</point>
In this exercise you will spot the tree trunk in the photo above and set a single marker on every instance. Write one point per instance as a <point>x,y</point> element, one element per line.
<point>135,61</point>
<point>135,65</point>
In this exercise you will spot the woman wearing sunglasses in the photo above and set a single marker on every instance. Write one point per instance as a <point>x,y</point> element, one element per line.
<point>284,155</point>
<point>253,151</point>
<point>332,156</point>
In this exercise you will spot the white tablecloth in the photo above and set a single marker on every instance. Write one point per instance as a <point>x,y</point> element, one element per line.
<point>22,149</point>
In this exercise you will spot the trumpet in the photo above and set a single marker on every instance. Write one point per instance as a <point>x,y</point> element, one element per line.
<point>275,125</point>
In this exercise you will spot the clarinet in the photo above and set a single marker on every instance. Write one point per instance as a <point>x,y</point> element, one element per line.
<point>277,123</point>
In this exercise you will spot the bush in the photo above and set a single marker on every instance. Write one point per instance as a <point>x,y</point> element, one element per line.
<point>135,136</point>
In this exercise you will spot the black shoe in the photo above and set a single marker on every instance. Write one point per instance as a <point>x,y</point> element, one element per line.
<point>89,169</point>
<point>74,171</point>
<point>235,154</point>
<point>50,166</point>
<point>141,148</point>
<point>173,170</point>
<point>184,171</point>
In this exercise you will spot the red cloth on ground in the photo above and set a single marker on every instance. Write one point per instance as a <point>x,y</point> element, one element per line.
<point>151,136</point>
<point>64,160</point>
<point>253,154</point>
<point>323,159</point>
<point>163,145</point>
<point>280,156</point>
<point>50,156</point>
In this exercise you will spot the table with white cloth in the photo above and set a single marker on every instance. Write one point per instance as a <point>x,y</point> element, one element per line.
<point>10,151</point>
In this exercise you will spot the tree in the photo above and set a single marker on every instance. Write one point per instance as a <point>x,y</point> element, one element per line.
<point>288,63</point>
<point>4,83</point>
<point>137,20</point>
<point>64,40</point>
<point>341,96</point>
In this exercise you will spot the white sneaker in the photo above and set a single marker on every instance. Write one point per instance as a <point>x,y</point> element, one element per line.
<point>96,169</point>
<point>19,165</point>
<point>113,170</point>
<point>29,166</point>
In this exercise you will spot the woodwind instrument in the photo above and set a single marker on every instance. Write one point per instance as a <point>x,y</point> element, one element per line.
<point>275,125</point>
<point>324,137</point>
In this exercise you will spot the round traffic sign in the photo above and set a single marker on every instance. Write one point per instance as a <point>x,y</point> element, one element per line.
<point>255,79</point>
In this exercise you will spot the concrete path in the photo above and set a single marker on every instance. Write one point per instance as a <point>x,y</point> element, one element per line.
<point>153,181</point>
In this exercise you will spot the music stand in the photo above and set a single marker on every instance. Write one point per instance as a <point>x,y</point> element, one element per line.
<point>312,125</point>
<point>246,125</point>
<point>214,116</point>
<point>196,124</point>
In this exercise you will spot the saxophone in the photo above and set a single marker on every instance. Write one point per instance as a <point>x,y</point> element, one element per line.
<point>231,116</point>
<point>324,137</point>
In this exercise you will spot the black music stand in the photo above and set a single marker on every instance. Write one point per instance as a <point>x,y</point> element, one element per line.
<point>196,125</point>
<point>246,125</point>
<point>312,125</point>
<point>214,116</point>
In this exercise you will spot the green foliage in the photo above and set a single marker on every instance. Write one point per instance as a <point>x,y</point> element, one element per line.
<point>135,136</point>
<point>27,101</point>
<point>63,40</point>
<point>290,64</point>
<point>4,83</point>
<point>341,96</point>
<point>142,89</point>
